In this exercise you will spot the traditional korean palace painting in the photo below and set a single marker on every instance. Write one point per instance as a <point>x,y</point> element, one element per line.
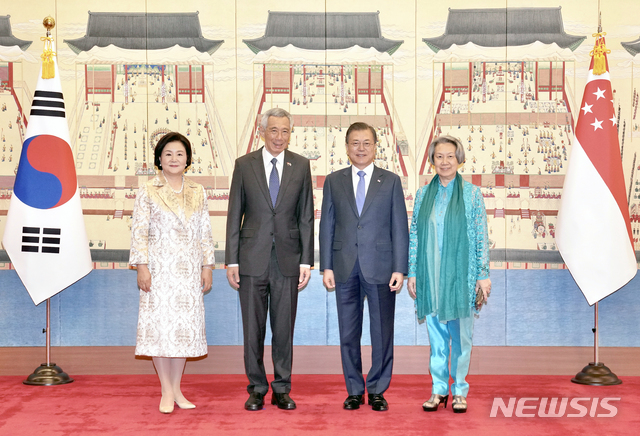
<point>506,81</point>
<point>329,70</point>
<point>515,117</point>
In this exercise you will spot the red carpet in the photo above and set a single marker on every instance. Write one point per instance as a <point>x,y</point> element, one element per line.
<point>128,405</point>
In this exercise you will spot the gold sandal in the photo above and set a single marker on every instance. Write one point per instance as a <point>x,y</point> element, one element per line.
<point>459,404</point>
<point>431,405</point>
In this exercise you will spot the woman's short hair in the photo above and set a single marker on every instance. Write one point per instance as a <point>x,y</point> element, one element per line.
<point>446,139</point>
<point>275,112</point>
<point>171,137</point>
<point>359,126</point>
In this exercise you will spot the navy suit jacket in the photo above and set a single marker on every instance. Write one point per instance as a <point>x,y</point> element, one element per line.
<point>253,223</point>
<point>379,238</point>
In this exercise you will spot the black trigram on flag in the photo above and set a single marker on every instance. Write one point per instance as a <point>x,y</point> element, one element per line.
<point>32,242</point>
<point>48,104</point>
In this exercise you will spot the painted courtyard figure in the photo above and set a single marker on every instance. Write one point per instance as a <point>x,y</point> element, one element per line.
<point>269,252</point>
<point>172,247</point>
<point>448,267</point>
<point>364,241</point>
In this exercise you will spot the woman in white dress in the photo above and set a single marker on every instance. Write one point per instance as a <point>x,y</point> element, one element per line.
<point>172,248</point>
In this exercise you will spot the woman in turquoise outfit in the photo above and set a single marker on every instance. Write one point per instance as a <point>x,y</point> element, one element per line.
<point>448,265</point>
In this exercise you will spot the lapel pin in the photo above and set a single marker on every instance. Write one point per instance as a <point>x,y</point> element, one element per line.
<point>378,180</point>
<point>289,163</point>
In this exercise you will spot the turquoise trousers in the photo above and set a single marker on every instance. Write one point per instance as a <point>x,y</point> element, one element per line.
<point>457,335</point>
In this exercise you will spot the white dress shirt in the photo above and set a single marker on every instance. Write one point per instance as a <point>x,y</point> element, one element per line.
<point>268,166</point>
<point>356,178</point>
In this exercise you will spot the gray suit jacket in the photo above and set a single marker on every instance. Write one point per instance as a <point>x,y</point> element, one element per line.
<point>253,224</point>
<point>379,238</point>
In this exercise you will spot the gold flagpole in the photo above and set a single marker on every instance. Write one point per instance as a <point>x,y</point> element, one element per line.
<point>48,374</point>
<point>596,373</point>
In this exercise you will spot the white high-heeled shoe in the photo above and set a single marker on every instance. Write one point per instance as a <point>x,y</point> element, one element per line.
<point>166,406</point>
<point>185,404</point>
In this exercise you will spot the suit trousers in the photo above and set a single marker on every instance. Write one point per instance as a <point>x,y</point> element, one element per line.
<point>457,334</point>
<point>277,294</point>
<point>382,302</point>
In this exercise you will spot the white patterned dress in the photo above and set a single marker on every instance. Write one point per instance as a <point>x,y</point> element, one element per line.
<point>172,235</point>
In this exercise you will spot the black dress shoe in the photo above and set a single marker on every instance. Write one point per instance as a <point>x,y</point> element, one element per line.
<point>255,401</point>
<point>353,402</point>
<point>378,403</point>
<point>283,401</point>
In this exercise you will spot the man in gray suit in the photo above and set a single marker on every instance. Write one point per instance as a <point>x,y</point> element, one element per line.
<point>269,252</point>
<point>364,243</point>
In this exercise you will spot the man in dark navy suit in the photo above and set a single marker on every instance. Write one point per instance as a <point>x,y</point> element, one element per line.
<point>364,243</point>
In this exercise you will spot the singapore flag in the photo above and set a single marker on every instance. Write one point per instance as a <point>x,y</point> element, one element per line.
<point>45,235</point>
<point>594,231</point>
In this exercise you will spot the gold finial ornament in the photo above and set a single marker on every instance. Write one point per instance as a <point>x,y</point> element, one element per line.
<point>49,23</point>
<point>48,67</point>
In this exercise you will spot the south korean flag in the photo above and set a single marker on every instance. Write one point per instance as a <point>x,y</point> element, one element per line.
<point>45,235</point>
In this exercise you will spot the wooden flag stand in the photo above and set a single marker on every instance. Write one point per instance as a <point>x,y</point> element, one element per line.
<point>596,373</point>
<point>48,374</point>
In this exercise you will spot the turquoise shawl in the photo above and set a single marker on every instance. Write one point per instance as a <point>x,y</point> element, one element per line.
<point>442,286</point>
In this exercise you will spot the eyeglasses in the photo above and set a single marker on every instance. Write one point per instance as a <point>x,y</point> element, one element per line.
<point>365,144</point>
<point>276,132</point>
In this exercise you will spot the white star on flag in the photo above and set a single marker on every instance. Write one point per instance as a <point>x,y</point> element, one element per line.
<point>599,93</point>
<point>594,231</point>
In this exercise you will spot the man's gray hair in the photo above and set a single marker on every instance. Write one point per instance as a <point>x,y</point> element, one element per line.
<point>446,139</point>
<point>275,112</point>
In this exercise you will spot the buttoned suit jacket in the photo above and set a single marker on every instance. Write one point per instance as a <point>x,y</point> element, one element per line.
<point>254,224</point>
<point>378,238</point>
